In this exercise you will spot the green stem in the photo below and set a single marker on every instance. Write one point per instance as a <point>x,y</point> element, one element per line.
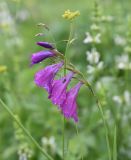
<point>53,38</point>
<point>115,144</point>
<point>25,131</point>
<point>63,138</point>
<point>77,132</point>
<point>65,61</point>
<point>84,81</point>
<point>104,120</point>
<point>70,35</point>
<point>67,46</point>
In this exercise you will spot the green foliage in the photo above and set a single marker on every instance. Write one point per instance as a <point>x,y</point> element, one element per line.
<point>18,27</point>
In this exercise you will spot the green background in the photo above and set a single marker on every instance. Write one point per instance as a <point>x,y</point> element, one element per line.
<point>31,104</point>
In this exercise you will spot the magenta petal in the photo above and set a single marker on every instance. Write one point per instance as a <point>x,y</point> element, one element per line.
<point>58,93</point>
<point>45,45</point>
<point>40,56</point>
<point>44,78</point>
<point>69,106</point>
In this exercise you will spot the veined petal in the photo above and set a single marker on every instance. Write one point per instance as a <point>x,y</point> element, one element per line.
<point>69,106</point>
<point>58,93</point>
<point>44,78</point>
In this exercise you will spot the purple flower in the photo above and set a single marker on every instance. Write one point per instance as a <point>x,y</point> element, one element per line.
<point>40,56</point>
<point>58,93</point>
<point>69,106</point>
<point>44,78</point>
<point>45,45</point>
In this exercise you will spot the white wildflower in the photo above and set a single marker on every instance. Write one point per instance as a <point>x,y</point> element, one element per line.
<point>89,38</point>
<point>92,69</point>
<point>107,18</point>
<point>23,156</point>
<point>97,38</point>
<point>122,62</point>
<point>119,40</point>
<point>93,56</point>
<point>44,141</point>
<point>52,140</point>
<point>100,65</point>
<point>127,97</point>
<point>52,143</point>
<point>117,99</point>
<point>49,142</point>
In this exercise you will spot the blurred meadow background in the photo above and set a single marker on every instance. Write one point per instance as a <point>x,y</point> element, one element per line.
<point>106,63</point>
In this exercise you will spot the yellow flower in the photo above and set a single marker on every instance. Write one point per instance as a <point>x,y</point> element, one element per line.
<point>70,15</point>
<point>3,68</point>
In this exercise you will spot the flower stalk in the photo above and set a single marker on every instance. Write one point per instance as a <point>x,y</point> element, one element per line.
<point>66,101</point>
<point>65,66</point>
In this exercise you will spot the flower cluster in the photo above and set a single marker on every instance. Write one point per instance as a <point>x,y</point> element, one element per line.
<point>123,60</point>
<point>94,38</point>
<point>56,88</point>
<point>70,15</point>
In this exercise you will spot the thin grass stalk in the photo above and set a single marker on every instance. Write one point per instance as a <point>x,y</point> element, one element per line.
<point>77,132</point>
<point>104,122</point>
<point>65,61</point>
<point>26,132</point>
<point>115,144</point>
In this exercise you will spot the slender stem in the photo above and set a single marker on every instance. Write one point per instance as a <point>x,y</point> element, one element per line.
<point>67,46</point>
<point>49,31</point>
<point>65,61</point>
<point>69,39</point>
<point>104,120</point>
<point>63,138</point>
<point>53,38</point>
<point>84,81</point>
<point>26,131</point>
<point>77,132</point>
<point>115,144</point>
